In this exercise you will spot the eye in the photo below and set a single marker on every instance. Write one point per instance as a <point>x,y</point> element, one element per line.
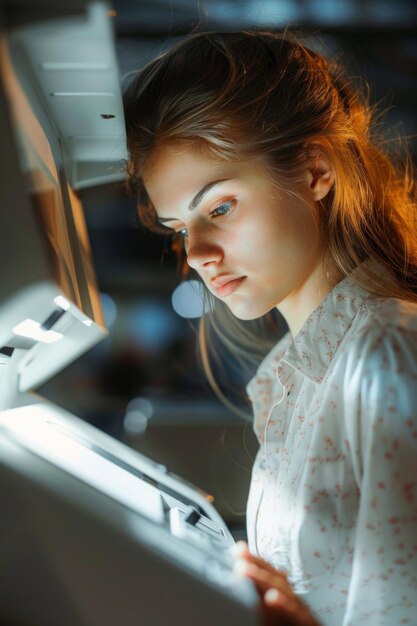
<point>182,233</point>
<point>222,209</point>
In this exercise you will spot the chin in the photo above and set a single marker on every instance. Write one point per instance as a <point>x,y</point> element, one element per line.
<point>248,313</point>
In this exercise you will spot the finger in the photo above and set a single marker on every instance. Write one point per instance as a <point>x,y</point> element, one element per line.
<point>264,579</point>
<point>293,609</point>
<point>277,609</point>
<point>266,566</point>
<point>275,598</point>
<point>241,551</point>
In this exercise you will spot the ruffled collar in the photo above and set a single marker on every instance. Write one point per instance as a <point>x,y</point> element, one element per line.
<point>315,345</point>
<point>310,352</point>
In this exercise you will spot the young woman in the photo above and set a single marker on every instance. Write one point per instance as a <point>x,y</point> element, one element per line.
<point>258,154</point>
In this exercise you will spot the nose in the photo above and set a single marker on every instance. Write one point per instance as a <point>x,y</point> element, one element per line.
<point>202,251</point>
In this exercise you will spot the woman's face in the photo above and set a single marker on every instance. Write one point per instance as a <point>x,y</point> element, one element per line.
<point>255,247</point>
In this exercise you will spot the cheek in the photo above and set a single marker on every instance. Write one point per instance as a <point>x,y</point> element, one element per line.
<point>268,238</point>
<point>243,245</point>
<point>291,231</point>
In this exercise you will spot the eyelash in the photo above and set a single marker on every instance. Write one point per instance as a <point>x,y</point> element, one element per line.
<point>229,204</point>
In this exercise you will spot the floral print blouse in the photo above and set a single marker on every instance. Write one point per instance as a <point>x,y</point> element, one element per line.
<point>333,497</point>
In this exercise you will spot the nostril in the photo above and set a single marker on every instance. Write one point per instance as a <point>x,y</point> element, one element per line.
<point>203,255</point>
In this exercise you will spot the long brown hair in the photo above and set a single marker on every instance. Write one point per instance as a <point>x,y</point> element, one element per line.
<point>267,95</point>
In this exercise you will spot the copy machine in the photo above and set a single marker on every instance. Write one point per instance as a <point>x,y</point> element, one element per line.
<point>91,532</point>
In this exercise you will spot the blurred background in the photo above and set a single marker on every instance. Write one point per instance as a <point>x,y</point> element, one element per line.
<point>144,384</point>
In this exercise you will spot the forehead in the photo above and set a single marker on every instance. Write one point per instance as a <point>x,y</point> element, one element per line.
<point>176,174</point>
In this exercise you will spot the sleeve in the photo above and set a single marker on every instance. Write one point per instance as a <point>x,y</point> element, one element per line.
<point>383,585</point>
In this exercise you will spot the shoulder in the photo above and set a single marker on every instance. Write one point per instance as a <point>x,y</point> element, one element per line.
<point>381,349</point>
<point>382,322</point>
<point>378,376</point>
<point>389,313</point>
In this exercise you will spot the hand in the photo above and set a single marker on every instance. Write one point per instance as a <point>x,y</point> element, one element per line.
<point>281,606</point>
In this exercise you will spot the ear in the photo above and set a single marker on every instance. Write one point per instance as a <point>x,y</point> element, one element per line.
<point>320,176</point>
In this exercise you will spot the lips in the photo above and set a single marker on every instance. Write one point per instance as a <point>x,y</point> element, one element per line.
<point>225,285</point>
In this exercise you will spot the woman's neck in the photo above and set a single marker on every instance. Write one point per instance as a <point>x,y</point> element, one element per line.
<point>299,305</point>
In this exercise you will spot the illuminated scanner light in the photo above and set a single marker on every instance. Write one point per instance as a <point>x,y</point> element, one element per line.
<point>62,303</point>
<point>33,330</point>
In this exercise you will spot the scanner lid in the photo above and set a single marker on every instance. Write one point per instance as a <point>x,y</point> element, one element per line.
<point>58,78</point>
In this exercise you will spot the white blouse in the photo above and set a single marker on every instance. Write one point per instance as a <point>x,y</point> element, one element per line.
<point>333,497</point>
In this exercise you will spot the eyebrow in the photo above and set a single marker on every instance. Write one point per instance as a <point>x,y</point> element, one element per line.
<point>197,198</point>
